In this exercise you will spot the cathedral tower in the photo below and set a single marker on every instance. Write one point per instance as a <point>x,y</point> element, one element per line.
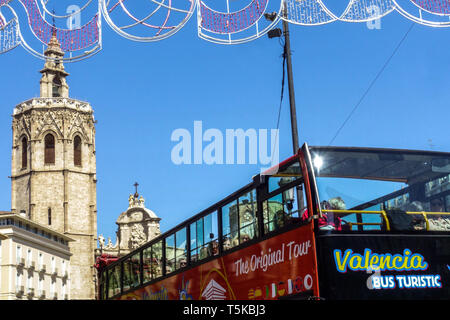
<point>53,176</point>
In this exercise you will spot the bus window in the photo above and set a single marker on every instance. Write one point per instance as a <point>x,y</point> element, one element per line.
<point>180,251</point>
<point>127,278</point>
<point>176,251</point>
<point>148,264</point>
<point>284,176</point>
<point>135,269</point>
<point>210,234</point>
<point>248,227</point>
<point>283,209</point>
<point>358,209</point>
<point>194,247</point>
<point>204,242</point>
<point>103,286</point>
<point>239,220</point>
<point>114,281</point>
<point>381,190</point>
<point>170,253</point>
<point>157,258</point>
<point>152,261</point>
<point>230,225</point>
<point>131,272</point>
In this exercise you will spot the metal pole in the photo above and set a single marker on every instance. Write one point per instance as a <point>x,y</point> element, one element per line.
<point>294,129</point>
<point>287,52</point>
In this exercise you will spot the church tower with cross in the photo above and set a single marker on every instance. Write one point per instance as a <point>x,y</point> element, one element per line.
<point>135,226</point>
<point>53,178</point>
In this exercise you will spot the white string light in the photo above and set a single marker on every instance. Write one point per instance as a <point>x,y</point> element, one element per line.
<point>239,23</point>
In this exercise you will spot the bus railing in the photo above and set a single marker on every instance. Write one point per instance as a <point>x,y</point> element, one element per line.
<point>383,214</point>
<point>425,216</point>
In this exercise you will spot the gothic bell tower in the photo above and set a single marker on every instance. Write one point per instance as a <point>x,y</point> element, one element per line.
<point>53,178</point>
<point>53,81</point>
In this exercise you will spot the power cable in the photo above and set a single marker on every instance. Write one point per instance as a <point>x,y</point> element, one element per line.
<point>372,83</point>
<point>281,98</point>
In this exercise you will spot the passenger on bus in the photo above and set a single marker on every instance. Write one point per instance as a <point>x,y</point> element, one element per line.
<point>418,222</point>
<point>215,247</point>
<point>244,237</point>
<point>168,267</point>
<point>436,205</point>
<point>158,272</point>
<point>280,217</point>
<point>235,241</point>
<point>227,243</point>
<point>204,253</point>
<point>305,215</point>
<point>329,220</point>
<point>438,222</point>
<point>402,219</point>
<point>183,263</point>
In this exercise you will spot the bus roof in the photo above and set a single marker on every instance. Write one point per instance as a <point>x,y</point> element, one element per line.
<point>408,166</point>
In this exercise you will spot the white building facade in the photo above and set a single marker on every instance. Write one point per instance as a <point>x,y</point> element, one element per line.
<point>34,260</point>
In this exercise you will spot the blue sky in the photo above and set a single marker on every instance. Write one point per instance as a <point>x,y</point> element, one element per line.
<point>142,92</point>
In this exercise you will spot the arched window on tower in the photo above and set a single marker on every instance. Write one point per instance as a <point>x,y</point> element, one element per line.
<point>77,151</point>
<point>49,216</point>
<point>49,155</point>
<point>56,87</point>
<point>24,152</point>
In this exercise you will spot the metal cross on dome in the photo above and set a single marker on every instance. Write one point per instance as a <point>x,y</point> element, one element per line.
<point>136,185</point>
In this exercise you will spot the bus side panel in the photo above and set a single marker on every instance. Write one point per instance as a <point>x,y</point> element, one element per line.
<point>281,266</point>
<point>384,266</point>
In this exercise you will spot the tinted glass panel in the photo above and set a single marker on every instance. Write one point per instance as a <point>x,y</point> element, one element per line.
<point>230,225</point>
<point>248,226</point>
<point>180,253</point>
<point>282,209</point>
<point>170,253</point>
<point>114,281</point>
<point>381,189</point>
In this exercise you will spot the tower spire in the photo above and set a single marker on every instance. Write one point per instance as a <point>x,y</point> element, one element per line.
<point>54,23</point>
<point>53,82</point>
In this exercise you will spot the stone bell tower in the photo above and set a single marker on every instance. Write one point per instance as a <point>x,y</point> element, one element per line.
<point>53,177</point>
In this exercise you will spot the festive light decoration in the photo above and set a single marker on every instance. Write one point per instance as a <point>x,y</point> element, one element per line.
<point>9,35</point>
<point>231,27</point>
<point>309,13</point>
<point>2,20</point>
<point>4,2</point>
<point>366,10</point>
<point>434,6</point>
<point>9,30</point>
<point>433,13</point>
<point>70,40</point>
<point>171,18</point>
<point>79,43</point>
<point>218,21</point>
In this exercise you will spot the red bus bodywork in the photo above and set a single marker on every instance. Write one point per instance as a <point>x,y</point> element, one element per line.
<point>299,260</point>
<point>268,270</point>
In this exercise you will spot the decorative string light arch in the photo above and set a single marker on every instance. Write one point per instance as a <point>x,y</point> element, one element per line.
<point>218,21</point>
<point>162,10</point>
<point>432,13</point>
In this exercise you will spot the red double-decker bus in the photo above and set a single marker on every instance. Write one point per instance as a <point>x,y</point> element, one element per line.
<point>328,223</point>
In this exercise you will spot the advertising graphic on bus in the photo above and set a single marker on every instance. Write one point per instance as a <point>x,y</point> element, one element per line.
<point>262,271</point>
